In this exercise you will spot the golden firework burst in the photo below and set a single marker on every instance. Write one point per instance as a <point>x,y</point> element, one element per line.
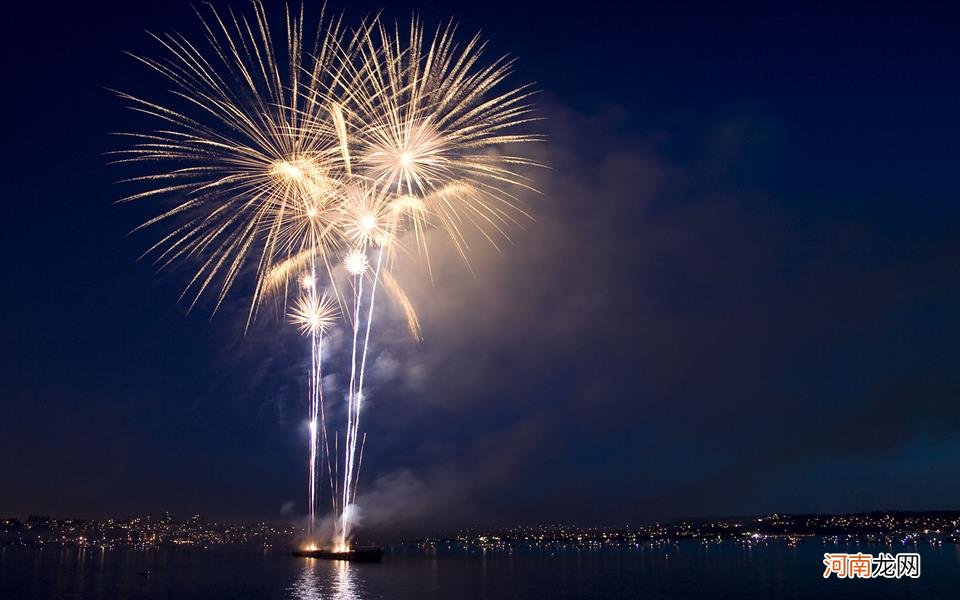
<point>245,148</point>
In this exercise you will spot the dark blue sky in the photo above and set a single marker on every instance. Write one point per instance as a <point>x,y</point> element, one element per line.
<point>740,294</point>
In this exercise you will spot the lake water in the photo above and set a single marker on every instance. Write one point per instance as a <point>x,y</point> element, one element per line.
<point>675,571</point>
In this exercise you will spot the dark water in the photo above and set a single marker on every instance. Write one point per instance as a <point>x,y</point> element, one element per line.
<point>676,571</point>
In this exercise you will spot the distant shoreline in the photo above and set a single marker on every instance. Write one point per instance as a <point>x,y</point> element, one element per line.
<point>882,527</point>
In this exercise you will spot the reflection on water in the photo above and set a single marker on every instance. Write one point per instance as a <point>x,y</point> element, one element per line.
<point>679,571</point>
<point>307,586</point>
<point>346,582</point>
<point>325,580</point>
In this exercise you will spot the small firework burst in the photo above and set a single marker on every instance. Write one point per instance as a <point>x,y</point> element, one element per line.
<point>355,262</point>
<point>314,314</point>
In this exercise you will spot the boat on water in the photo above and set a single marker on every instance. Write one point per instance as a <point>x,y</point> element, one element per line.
<point>361,554</point>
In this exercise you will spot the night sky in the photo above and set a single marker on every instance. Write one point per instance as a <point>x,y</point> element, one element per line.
<point>740,293</point>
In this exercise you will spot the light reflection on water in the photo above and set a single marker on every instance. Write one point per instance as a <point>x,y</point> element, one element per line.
<point>326,580</point>
<point>679,571</point>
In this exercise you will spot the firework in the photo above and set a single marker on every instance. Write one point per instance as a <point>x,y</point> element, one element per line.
<point>434,126</point>
<point>314,315</point>
<point>313,164</point>
<point>244,149</point>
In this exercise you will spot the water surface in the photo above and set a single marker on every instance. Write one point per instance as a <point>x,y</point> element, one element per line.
<point>676,571</point>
